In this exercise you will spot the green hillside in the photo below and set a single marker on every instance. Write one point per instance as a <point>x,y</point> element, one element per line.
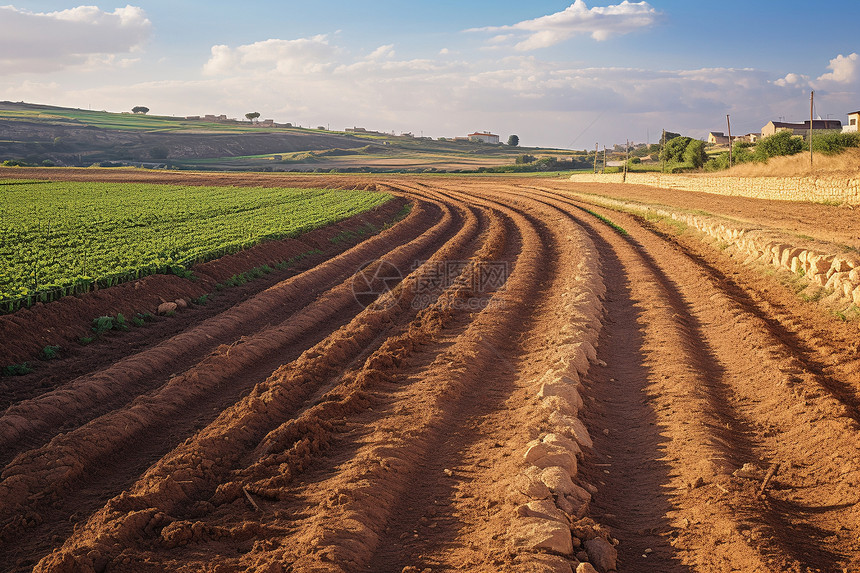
<point>40,135</point>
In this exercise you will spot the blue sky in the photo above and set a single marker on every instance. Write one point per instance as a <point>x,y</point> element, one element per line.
<point>557,73</point>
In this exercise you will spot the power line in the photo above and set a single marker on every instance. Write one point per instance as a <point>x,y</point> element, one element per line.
<point>586,129</point>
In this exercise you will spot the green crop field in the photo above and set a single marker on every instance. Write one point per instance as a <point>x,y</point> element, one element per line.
<point>124,121</point>
<point>59,238</point>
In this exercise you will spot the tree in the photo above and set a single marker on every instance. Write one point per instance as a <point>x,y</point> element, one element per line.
<point>140,109</point>
<point>674,149</point>
<point>252,115</point>
<point>514,140</point>
<point>695,154</point>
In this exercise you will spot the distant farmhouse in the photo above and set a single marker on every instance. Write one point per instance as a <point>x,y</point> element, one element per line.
<point>799,128</point>
<point>484,136</point>
<point>853,120</point>
<point>719,138</point>
<point>362,131</point>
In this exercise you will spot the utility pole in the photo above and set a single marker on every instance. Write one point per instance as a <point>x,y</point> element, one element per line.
<point>729,124</point>
<point>604,159</point>
<point>626,160</point>
<point>595,158</point>
<point>662,145</point>
<point>811,100</point>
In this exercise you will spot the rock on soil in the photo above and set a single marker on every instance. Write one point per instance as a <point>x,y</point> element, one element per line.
<point>601,554</point>
<point>534,534</point>
<point>167,307</point>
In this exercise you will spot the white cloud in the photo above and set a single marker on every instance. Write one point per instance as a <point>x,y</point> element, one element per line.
<point>844,73</point>
<point>382,53</point>
<point>285,56</point>
<point>324,84</point>
<point>313,81</point>
<point>844,70</point>
<point>792,79</point>
<point>601,22</point>
<point>48,42</point>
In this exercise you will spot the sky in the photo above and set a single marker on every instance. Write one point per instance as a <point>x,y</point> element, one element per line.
<point>556,73</point>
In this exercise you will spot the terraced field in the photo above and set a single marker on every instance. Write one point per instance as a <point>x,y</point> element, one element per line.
<point>502,381</point>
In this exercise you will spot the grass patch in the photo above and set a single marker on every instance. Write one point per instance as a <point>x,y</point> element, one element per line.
<point>50,352</point>
<point>293,260</point>
<point>16,369</point>
<point>343,236</point>
<point>247,276</point>
<point>621,230</point>
<point>817,294</point>
<point>677,227</point>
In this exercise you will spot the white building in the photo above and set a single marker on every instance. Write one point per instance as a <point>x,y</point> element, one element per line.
<point>853,120</point>
<point>485,137</point>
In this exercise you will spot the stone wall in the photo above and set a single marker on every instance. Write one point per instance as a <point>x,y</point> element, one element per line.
<point>552,527</point>
<point>818,189</point>
<point>835,271</point>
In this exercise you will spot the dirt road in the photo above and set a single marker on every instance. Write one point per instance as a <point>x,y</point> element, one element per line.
<point>719,416</point>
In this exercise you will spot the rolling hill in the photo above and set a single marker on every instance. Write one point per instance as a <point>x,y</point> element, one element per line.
<point>35,134</point>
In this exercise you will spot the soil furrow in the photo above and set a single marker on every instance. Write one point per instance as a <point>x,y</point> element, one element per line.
<point>734,346</point>
<point>420,400</point>
<point>146,412</point>
<point>109,389</point>
<point>615,393</point>
<point>282,392</point>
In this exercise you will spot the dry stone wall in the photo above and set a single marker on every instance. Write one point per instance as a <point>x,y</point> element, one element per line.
<point>816,189</point>
<point>835,271</point>
<point>553,525</point>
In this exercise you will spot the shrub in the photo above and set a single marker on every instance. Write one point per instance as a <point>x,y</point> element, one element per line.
<point>525,158</point>
<point>718,163</point>
<point>741,152</point>
<point>781,143</point>
<point>833,142</point>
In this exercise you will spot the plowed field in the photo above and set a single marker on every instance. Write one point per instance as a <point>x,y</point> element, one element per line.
<point>502,381</point>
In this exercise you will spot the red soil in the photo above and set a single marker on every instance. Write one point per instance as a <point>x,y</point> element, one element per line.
<point>311,434</point>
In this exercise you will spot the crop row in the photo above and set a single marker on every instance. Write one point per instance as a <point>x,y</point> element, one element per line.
<point>59,238</point>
